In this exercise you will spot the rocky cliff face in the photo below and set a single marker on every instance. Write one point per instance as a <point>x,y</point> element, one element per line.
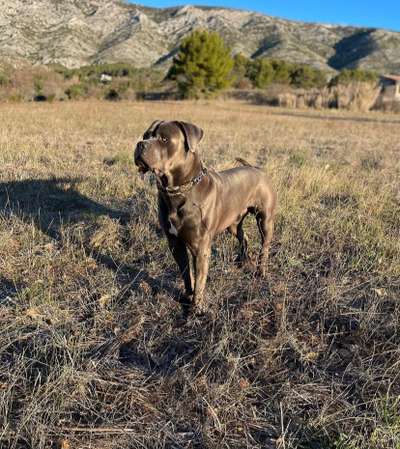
<point>79,32</point>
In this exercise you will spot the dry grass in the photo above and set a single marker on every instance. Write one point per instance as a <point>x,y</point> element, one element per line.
<point>92,353</point>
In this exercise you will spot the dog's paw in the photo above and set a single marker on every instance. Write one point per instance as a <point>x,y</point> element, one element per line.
<point>246,265</point>
<point>192,316</point>
<point>186,300</point>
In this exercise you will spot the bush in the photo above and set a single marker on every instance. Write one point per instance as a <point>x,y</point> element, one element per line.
<point>203,65</point>
<point>38,85</point>
<point>346,77</point>
<point>112,95</point>
<point>4,80</point>
<point>76,91</point>
<point>40,98</point>
<point>307,77</point>
<point>15,98</point>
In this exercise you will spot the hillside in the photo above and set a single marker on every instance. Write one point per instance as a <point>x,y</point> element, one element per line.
<point>79,32</point>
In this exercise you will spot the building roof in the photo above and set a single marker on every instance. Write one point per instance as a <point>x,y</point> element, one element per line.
<point>392,77</point>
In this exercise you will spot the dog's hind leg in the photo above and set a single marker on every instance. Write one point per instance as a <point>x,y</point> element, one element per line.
<point>265,223</point>
<point>237,231</point>
<point>201,259</point>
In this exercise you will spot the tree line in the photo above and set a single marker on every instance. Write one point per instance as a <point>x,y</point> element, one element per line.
<point>204,65</point>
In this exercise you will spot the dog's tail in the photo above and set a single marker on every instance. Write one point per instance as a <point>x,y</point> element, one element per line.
<point>243,162</point>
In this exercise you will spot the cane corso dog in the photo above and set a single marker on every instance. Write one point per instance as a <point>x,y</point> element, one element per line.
<point>196,203</point>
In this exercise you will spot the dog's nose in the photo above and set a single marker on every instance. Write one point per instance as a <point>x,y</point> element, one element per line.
<point>140,148</point>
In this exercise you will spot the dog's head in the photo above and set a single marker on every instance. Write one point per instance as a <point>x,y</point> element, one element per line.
<point>167,148</point>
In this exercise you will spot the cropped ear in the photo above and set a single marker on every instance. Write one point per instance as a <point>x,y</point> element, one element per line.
<point>152,129</point>
<point>193,134</point>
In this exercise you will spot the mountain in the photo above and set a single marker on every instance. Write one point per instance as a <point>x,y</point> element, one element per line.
<point>80,32</point>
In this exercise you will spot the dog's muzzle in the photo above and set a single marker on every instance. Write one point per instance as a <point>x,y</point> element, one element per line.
<point>140,151</point>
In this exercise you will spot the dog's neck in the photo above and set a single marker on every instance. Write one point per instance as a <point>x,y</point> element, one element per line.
<point>184,174</point>
<point>174,190</point>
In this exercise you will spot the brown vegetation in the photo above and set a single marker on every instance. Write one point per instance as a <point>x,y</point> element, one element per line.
<point>92,350</point>
<point>355,96</point>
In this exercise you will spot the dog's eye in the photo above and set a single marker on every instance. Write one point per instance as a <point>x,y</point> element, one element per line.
<point>164,139</point>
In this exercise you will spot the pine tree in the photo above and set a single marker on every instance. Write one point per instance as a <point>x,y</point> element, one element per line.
<point>261,73</point>
<point>203,65</point>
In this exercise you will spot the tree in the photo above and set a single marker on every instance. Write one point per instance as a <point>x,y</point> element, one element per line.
<point>307,77</point>
<point>282,71</point>
<point>203,65</point>
<point>260,72</point>
<point>240,68</point>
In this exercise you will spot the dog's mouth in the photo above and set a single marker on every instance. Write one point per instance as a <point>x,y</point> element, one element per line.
<point>143,168</point>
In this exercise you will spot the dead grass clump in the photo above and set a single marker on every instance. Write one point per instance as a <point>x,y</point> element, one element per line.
<point>356,96</point>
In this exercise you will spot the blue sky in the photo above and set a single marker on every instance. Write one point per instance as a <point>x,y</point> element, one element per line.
<point>381,14</point>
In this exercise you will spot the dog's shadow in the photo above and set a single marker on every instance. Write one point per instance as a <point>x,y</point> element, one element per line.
<point>51,203</point>
<point>7,290</point>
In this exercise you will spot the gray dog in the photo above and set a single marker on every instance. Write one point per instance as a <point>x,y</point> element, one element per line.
<point>195,204</point>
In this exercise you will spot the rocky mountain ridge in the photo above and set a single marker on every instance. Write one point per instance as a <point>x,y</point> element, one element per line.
<point>81,32</point>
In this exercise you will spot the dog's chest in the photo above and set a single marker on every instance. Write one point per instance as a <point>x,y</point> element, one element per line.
<point>181,219</point>
<point>176,220</point>
<point>173,226</point>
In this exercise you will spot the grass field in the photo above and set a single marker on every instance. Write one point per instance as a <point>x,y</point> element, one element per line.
<point>93,353</point>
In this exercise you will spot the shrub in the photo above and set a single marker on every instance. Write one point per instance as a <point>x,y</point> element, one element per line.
<point>4,80</point>
<point>76,91</point>
<point>112,95</point>
<point>346,76</point>
<point>307,77</point>
<point>40,98</point>
<point>38,85</point>
<point>355,96</point>
<point>15,98</point>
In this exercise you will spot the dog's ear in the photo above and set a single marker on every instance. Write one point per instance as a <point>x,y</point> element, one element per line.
<point>193,134</point>
<point>152,129</point>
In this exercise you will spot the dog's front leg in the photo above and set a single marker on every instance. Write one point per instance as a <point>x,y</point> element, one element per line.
<point>201,258</point>
<point>179,251</point>
<point>177,247</point>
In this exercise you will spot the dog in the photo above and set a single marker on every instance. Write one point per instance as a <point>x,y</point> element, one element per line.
<point>195,204</point>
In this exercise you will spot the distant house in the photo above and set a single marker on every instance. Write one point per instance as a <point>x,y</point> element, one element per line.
<point>390,87</point>
<point>105,78</point>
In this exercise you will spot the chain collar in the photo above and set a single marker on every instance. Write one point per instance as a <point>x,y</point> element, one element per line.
<point>183,188</point>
